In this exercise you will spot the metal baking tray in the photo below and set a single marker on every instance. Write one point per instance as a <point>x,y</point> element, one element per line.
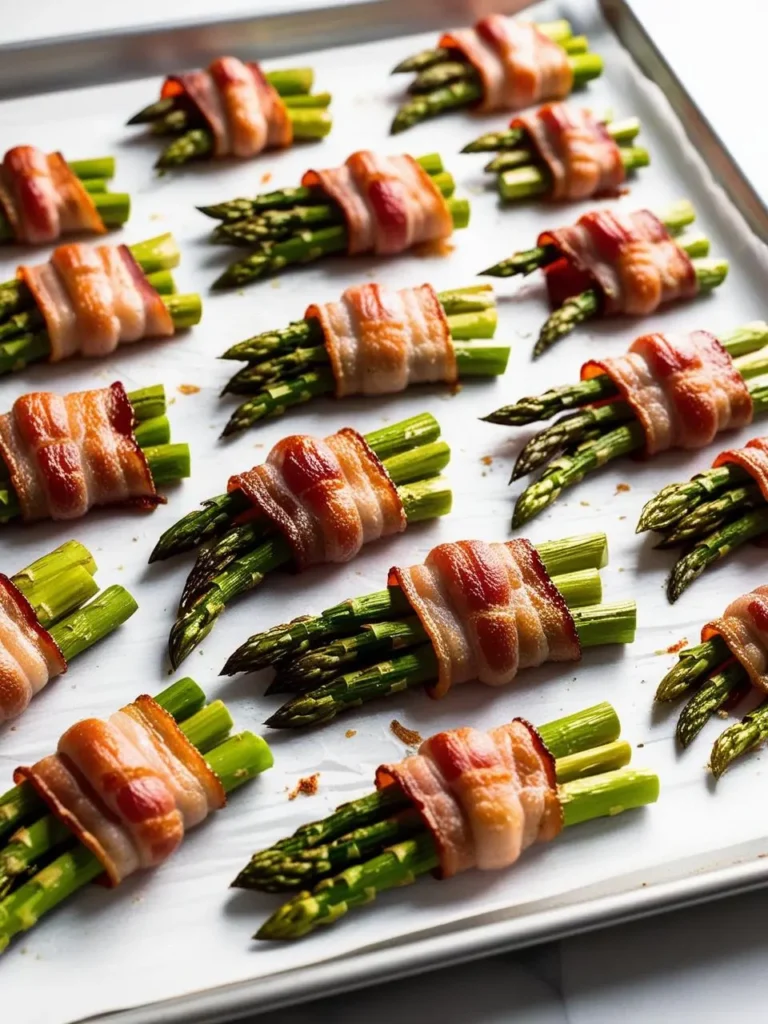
<point>730,217</point>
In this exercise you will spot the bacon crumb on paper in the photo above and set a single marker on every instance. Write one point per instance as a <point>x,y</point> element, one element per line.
<point>350,733</point>
<point>308,786</point>
<point>409,737</point>
<point>622,488</point>
<point>188,389</point>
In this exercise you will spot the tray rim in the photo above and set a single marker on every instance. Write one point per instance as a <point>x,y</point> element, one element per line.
<point>29,68</point>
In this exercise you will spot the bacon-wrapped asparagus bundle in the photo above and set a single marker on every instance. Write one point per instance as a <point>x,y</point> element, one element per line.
<point>50,612</point>
<point>88,299</point>
<point>124,791</point>
<point>712,514</point>
<point>730,661</point>
<point>562,152</point>
<point>42,197</point>
<point>467,799</point>
<point>676,391</point>
<point>370,205</point>
<point>373,341</point>
<point>60,456</point>
<point>313,501</point>
<point>234,109</point>
<point>613,263</point>
<point>472,611</point>
<point>499,65</point>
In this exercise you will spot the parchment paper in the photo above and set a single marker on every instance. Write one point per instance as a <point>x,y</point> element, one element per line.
<point>178,930</point>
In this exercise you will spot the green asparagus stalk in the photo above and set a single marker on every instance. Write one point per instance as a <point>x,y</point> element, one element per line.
<point>693,666</point>
<point>567,737</point>
<point>727,687</point>
<point>559,31</point>
<point>512,140</point>
<point>739,739</point>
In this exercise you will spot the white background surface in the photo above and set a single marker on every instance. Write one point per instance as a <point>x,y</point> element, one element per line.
<point>664,969</point>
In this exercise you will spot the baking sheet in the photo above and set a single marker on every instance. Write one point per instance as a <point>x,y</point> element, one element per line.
<point>178,930</point>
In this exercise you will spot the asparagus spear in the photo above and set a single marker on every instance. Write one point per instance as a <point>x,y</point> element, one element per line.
<point>168,463</point>
<point>739,739</point>
<point>559,31</point>
<point>726,687</point>
<point>694,664</point>
<point>235,760</point>
<point>572,735</point>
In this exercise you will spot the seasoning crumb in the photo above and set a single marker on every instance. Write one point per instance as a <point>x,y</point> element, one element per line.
<point>585,504</point>
<point>622,517</point>
<point>409,737</point>
<point>308,786</point>
<point>487,460</point>
<point>156,216</point>
<point>350,733</point>
<point>640,746</point>
<point>674,648</point>
<point>188,389</point>
<point>266,177</point>
<point>622,488</point>
<point>721,713</point>
<point>275,283</point>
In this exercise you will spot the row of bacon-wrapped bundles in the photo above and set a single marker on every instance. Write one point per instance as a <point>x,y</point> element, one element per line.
<point>727,667</point>
<point>563,153</point>
<point>676,391</point>
<point>472,612</point>
<point>467,799</point>
<point>313,501</point>
<point>372,341</point>
<point>50,612</point>
<point>86,300</point>
<point>117,796</point>
<point>614,263</point>
<point>62,455</point>
<point>43,196</point>
<point>500,64</point>
<point>372,204</point>
<point>234,108</point>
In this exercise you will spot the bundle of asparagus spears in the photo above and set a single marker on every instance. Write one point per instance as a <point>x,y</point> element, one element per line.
<point>383,840</point>
<point>522,172</point>
<point>573,307</point>
<point>179,117</point>
<point>51,612</point>
<point>292,365</point>
<point>111,208</point>
<point>167,463</point>
<point>718,674</point>
<point>599,425</point>
<point>43,862</point>
<point>714,513</point>
<point>302,224</point>
<point>240,547</point>
<point>24,336</point>
<point>446,79</point>
<point>378,646</point>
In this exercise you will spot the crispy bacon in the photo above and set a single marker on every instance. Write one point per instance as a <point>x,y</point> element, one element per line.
<point>517,64</point>
<point>67,454</point>
<point>489,610</point>
<point>327,497</point>
<point>29,656</point>
<point>128,788</point>
<point>42,198</point>
<point>631,259</point>
<point>243,112</point>
<point>582,158</point>
<point>753,458</point>
<point>484,796</point>
<point>94,298</point>
<point>380,341</point>
<point>744,627</point>
<point>389,203</point>
<point>684,389</point>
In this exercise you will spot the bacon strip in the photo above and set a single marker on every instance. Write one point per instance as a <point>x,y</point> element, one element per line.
<point>484,796</point>
<point>489,610</point>
<point>753,458</point>
<point>631,259</point>
<point>43,199</point>
<point>684,389</point>
<point>94,298</point>
<point>518,64</point>
<point>243,112</point>
<point>744,627</point>
<point>327,497</point>
<point>380,341</point>
<point>128,788</point>
<point>29,656</point>
<point>390,203</point>
<point>67,454</point>
<point>582,158</point>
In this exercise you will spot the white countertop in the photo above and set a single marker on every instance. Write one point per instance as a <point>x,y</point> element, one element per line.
<point>704,964</point>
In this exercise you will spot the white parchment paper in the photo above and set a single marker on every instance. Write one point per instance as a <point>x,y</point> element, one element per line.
<point>179,930</point>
